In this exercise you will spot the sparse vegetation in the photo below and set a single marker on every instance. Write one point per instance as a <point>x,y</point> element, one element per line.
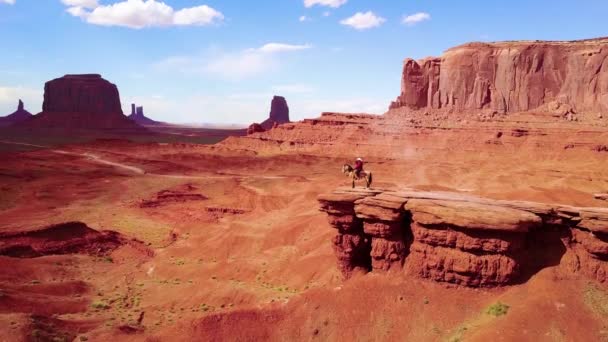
<point>596,299</point>
<point>497,309</point>
<point>100,305</point>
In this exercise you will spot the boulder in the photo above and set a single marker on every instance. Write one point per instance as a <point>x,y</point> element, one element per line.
<point>255,128</point>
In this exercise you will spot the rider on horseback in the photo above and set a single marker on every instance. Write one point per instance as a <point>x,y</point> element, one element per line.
<point>358,167</point>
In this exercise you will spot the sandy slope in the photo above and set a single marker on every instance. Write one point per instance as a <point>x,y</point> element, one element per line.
<point>241,251</point>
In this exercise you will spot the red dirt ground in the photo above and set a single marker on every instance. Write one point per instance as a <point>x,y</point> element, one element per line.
<point>240,251</point>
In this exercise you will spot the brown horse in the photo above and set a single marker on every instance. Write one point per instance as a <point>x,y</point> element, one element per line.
<point>350,172</point>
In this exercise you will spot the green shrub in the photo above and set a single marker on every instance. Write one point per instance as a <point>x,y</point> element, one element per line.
<point>498,309</point>
<point>100,305</point>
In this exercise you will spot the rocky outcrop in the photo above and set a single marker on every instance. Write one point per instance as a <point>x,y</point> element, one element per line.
<point>603,197</point>
<point>65,238</point>
<point>17,116</point>
<point>455,238</point>
<point>506,77</point>
<point>255,128</point>
<point>137,115</point>
<point>279,113</point>
<point>80,101</point>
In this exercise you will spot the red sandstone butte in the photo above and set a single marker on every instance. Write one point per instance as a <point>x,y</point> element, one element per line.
<point>279,113</point>
<point>80,101</point>
<point>507,77</point>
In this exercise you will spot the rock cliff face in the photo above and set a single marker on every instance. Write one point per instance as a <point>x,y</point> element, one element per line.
<point>279,113</point>
<point>17,116</point>
<point>80,101</point>
<point>510,77</point>
<point>468,240</point>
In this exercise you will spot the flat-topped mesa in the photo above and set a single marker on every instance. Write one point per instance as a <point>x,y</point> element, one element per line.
<point>463,239</point>
<point>506,77</point>
<point>82,102</point>
<point>87,93</point>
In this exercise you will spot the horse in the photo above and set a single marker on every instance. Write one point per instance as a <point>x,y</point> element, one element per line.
<point>350,172</point>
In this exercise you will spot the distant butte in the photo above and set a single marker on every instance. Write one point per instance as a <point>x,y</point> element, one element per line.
<point>137,115</point>
<point>17,116</point>
<point>279,114</point>
<point>80,101</point>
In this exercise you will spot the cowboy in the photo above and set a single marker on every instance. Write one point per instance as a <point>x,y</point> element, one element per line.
<point>358,167</point>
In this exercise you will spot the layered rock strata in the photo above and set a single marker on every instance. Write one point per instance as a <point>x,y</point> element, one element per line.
<point>462,239</point>
<point>507,77</point>
<point>80,101</point>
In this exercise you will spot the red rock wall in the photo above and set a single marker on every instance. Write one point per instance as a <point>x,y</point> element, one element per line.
<point>462,239</point>
<point>81,94</point>
<point>81,102</point>
<point>510,77</point>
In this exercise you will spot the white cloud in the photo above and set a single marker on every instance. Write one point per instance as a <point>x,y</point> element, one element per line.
<point>329,3</point>
<point>363,21</point>
<point>233,65</point>
<point>9,96</point>
<point>303,18</point>
<point>326,13</point>
<point>138,14</point>
<point>10,2</point>
<point>414,19</point>
<point>81,3</point>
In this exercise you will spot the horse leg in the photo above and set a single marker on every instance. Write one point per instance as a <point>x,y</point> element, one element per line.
<point>354,176</point>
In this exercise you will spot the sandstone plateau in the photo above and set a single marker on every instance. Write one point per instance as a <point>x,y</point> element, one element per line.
<point>463,239</point>
<point>80,101</point>
<point>507,77</point>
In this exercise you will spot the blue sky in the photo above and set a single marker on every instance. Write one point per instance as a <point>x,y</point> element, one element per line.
<point>221,61</point>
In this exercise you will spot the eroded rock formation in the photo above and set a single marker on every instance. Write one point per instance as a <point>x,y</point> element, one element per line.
<point>137,115</point>
<point>17,116</point>
<point>279,113</point>
<point>505,77</point>
<point>468,240</point>
<point>255,128</point>
<point>80,101</point>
